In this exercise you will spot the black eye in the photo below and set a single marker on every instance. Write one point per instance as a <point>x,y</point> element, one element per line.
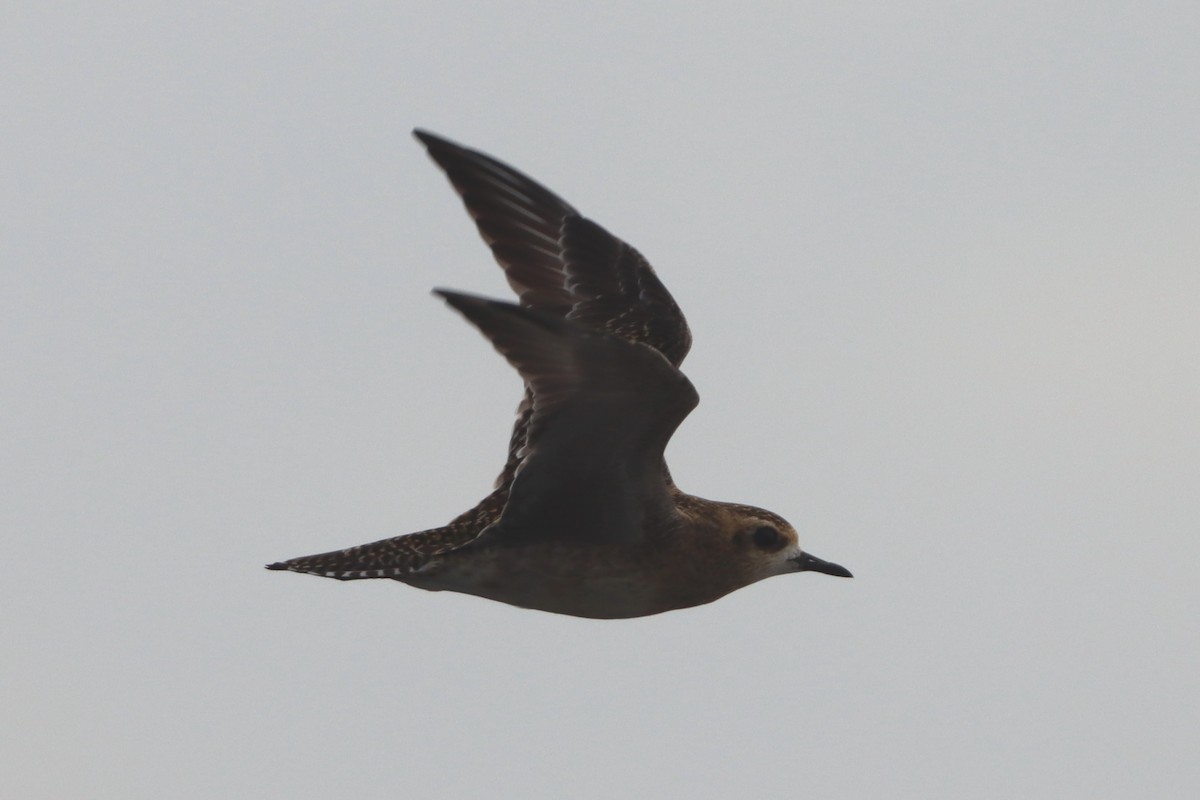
<point>766,537</point>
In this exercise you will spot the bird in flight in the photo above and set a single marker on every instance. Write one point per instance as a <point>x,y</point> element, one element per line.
<point>584,518</point>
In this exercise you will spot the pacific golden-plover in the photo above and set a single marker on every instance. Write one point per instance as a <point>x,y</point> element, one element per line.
<point>584,519</point>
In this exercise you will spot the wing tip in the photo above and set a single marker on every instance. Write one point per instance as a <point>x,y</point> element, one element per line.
<point>485,312</point>
<point>426,137</point>
<point>461,300</point>
<point>439,147</point>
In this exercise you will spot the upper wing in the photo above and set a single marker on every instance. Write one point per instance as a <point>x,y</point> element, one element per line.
<point>555,260</point>
<point>615,290</point>
<point>603,409</point>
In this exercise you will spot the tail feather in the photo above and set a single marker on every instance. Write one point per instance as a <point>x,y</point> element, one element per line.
<point>388,558</point>
<point>401,556</point>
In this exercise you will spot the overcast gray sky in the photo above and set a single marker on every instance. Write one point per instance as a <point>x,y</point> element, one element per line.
<point>942,265</point>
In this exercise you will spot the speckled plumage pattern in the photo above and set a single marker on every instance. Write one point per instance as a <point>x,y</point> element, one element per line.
<point>584,518</point>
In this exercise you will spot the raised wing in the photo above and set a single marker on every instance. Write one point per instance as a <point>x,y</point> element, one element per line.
<point>555,260</point>
<point>603,410</point>
<point>560,263</point>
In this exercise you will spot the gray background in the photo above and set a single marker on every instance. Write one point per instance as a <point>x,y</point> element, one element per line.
<point>942,263</point>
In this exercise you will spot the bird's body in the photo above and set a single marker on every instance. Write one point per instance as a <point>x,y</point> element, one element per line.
<point>584,519</point>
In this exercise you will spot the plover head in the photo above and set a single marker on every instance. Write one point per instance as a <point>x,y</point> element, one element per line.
<point>763,544</point>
